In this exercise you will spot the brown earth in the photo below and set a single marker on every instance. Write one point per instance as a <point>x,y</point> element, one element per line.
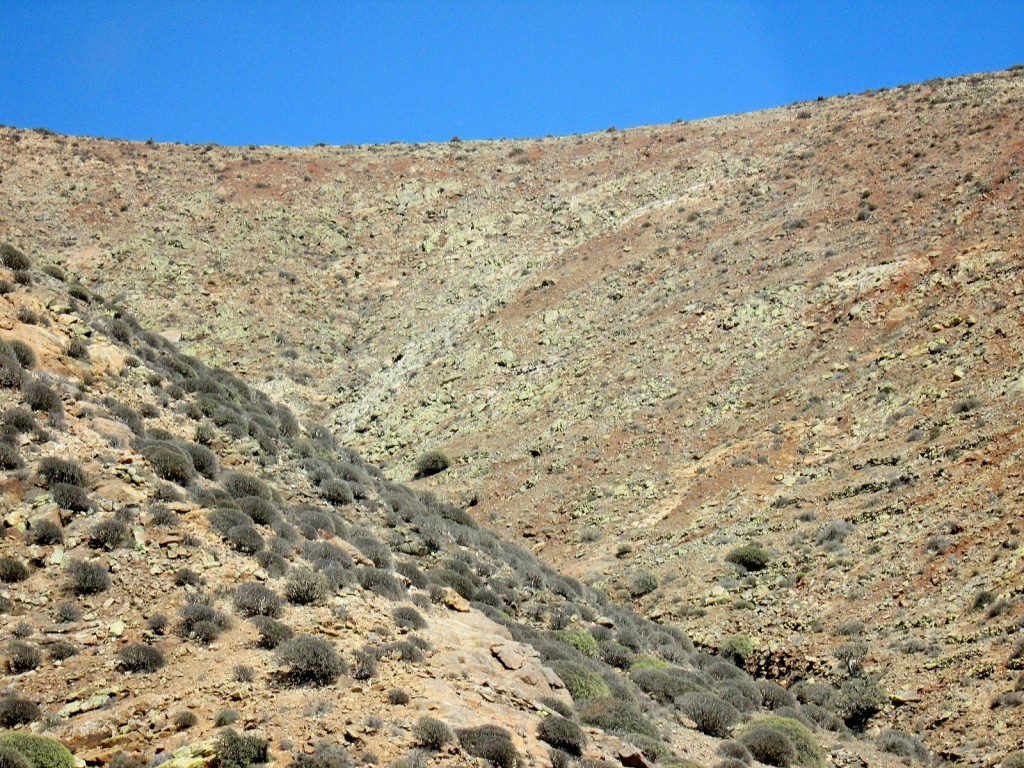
<point>641,348</point>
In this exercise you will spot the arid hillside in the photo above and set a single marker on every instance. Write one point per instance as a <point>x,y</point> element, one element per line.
<point>798,330</point>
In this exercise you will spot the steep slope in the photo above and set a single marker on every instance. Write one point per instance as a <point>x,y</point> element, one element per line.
<point>642,348</point>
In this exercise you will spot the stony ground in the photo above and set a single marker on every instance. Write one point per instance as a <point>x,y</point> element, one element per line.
<point>641,348</point>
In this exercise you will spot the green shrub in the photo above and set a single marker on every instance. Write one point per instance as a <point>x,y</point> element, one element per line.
<point>310,660</point>
<point>491,742</point>
<point>1013,760</point>
<point>805,749</point>
<point>432,733</point>
<point>255,599</point>
<point>39,396</point>
<point>713,716</point>
<point>236,750</point>
<point>272,632</point>
<point>562,734</point>
<point>139,657</point>
<point>14,259</point>
<point>15,710</point>
<point>305,587</point>
<point>750,557</point>
<point>41,751</point>
<point>12,758</point>
<point>87,577</point>
<point>736,649</point>
<point>12,570</point>
<point>580,681</point>
<point>53,470</point>
<point>582,641</point>
<point>431,463</point>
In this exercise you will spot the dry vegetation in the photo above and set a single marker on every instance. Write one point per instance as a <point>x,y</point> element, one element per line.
<point>752,383</point>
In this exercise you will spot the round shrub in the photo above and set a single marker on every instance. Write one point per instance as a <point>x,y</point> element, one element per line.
<point>41,751</point>
<point>580,681</point>
<point>203,460</point>
<point>12,758</point>
<point>39,396</point>
<point>109,534</point>
<point>12,570</point>
<point>70,497</point>
<point>337,492</point>
<point>491,742</point>
<point>769,745</point>
<point>310,660</point>
<point>23,657</point>
<point>305,587</point>
<point>244,538</point>
<point>397,697</point>
<point>583,642</point>
<point>642,583</point>
<point>800,739</point>
<point>259,510</point>
<point>15,710</point>
<point>201,622</point>
<point>713,716</point>
<point>236,750</point>
<point>62,650</point>
<point>272,632</point>
<point>431,463</point>
<point>562,734</point>
<point>184,720</point>
<point>24,354</point>
<point>408,617</point>
<point>240,485</point>
<point>139,657</point>
<point>18,420</point>
<point>53,470</point>
<point>254,599</point>
<point>43,532</point>
<point>736,649</point>
<point>10,456</point>
<point>431,733</point>
<point>173,466</point>
<point>87,577</point>
<point>14,259</point>
<point>734,750</point>
<point>750,557</point>
<point>324,755</point>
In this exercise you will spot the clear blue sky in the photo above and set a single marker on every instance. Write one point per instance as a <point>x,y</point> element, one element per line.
<point>297,73</point>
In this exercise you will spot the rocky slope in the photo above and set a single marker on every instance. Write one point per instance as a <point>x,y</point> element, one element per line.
<point>642,349</point>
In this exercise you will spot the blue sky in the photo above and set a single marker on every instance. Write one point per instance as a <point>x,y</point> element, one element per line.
<point>298,73</point>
